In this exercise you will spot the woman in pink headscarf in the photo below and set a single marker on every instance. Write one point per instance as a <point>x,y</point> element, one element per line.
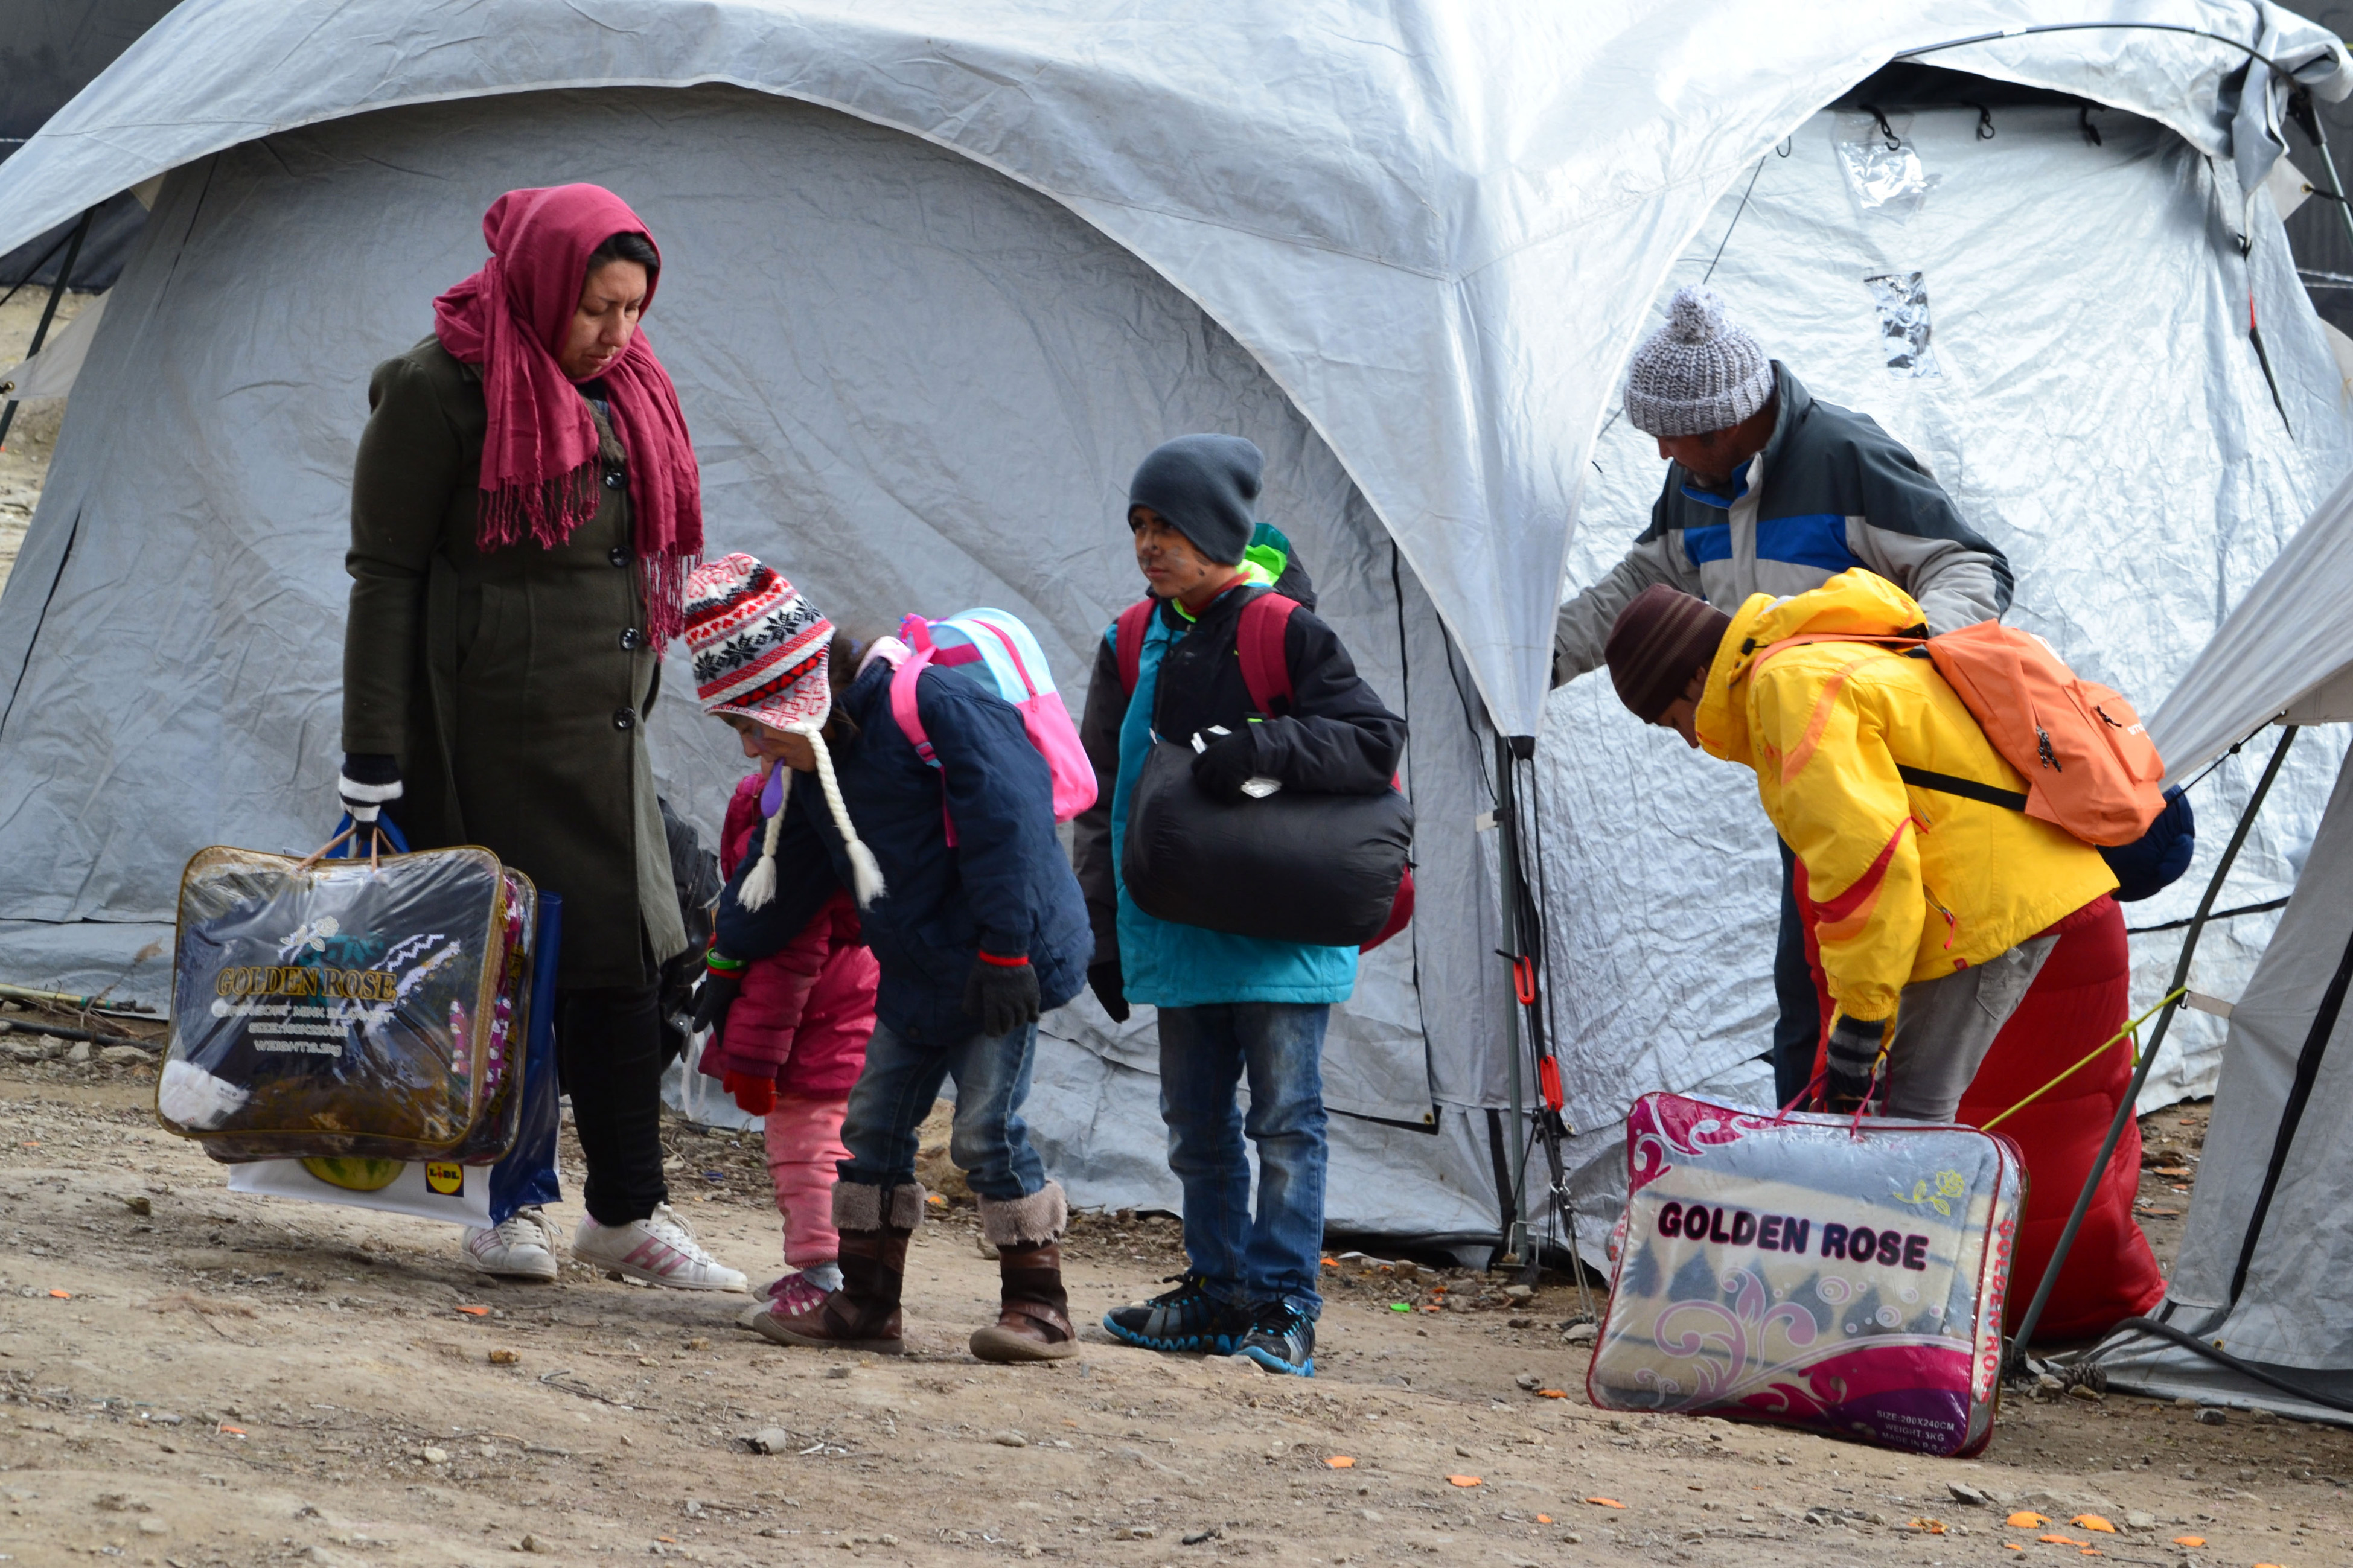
<point>525,510</point>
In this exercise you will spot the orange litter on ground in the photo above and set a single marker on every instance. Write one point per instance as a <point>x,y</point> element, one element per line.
<point>232,1431</point>
<point>1605,1502</point>
<point>2093,1521</point>
<point>2026,1519</point>
<point>2011,1546</point>
<point>1927,1526</point>
<point>1341,1462</point>
<point>1544,1519</point>
<point>475,1311</point>
<point>1552,1393</point>
<point>2090,1552</point>
<point>62,1295</point>
<point>1464,1481</point>
<point>2062,1539</point>
<point>2190,1540</point>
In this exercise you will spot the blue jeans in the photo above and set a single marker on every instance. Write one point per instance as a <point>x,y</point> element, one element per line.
<point>901,1083</point>
<point>1244,1258</point>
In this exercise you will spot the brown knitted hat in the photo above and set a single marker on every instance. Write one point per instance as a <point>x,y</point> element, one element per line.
<point>1658,640</point>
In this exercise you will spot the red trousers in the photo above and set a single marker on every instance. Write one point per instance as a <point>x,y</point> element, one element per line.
<point>2079,998</point>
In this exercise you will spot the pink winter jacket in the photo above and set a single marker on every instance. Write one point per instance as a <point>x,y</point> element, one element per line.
<point>806,1012</point>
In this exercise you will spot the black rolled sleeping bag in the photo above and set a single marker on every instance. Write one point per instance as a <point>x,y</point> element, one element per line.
<point>1294,866</point>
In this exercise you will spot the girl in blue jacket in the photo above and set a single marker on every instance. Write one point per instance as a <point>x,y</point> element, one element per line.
<point>973,939</point>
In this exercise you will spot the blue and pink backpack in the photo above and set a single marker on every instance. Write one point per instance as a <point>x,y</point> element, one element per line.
<point>1017,670</point>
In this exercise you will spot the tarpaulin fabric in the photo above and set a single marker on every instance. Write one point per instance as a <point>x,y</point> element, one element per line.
<point>2097,410</point>
<point>1478,200</point>
<point>921,356</point>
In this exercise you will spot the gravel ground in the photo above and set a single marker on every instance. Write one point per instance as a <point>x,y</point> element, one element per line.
<point>189,1378</point>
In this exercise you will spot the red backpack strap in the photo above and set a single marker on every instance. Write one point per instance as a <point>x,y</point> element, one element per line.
<point>1127,635</point>
<point>1266,662</point>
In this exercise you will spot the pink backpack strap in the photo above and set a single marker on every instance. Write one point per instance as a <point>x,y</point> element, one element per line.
<point>1028,681</point>
<point>1266,662</point>
<point>903,694</point>
<point>1128,635</point>
<point>916,633</point>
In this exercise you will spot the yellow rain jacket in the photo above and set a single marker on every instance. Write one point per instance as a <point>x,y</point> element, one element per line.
<point>1911,884</point>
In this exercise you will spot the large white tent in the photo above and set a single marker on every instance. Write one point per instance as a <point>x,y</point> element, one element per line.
<point>935,283</point>
<point>2256,1279</point>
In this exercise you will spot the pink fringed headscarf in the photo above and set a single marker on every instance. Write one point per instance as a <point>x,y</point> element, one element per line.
<point>538,458</point>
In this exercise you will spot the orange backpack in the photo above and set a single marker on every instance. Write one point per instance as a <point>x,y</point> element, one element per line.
<point>2090,766</point>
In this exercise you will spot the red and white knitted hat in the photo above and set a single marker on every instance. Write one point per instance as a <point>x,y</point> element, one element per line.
<point>759,648</point>
<point>760,652</point>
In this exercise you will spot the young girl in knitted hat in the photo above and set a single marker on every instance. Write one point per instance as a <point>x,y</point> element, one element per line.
<point>981,929</point>
<point>791,1026</point>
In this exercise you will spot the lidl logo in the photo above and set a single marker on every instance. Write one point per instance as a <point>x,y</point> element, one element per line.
<point>445,1178</point>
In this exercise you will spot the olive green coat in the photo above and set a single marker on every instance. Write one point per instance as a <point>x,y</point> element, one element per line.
<point>511,685</point>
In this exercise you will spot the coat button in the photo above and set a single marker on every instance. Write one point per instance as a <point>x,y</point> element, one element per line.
<point>624,719</point>
<point>613,479</point>
<point>619,556</point>
<point>632,639</point>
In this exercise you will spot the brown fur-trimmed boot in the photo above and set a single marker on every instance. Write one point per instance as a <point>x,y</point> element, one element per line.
<point>864,1315</point>
<point>1033,1321</point>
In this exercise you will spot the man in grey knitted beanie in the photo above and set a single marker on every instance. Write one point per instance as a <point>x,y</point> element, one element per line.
<point>1770,491</point>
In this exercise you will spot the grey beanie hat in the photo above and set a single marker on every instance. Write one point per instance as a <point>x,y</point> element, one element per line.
<point>1698,373</point>
<point>1206,487</point>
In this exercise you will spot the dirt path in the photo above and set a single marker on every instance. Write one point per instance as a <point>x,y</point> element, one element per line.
<point>188,1378</point>
<point>25,459</point>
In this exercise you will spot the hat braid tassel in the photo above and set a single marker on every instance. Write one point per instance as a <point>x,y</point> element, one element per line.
<point>864,872</point>
<point>759,886</point>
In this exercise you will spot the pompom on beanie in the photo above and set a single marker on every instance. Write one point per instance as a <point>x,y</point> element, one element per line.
<point>1699,373</point>
<point>1659,639</point>
<point>761,651</point>
<point>1206,487</point>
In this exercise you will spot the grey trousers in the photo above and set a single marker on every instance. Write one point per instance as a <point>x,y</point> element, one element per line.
<point>1945,1027</point>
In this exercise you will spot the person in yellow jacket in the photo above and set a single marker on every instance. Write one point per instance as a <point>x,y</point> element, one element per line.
<point>1932,906</point>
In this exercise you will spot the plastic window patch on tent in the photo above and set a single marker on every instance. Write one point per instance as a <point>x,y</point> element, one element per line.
<point>1882,168</point>
<point>1812,1271</point>
<point>1904,331</point>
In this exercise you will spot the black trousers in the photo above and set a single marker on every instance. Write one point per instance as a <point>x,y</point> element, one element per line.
<point>1798,1029</point>
<point>608,1046</point>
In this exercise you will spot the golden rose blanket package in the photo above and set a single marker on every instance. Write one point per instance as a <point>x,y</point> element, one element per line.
<point>1811,1272</point>
<point>349,1010</point>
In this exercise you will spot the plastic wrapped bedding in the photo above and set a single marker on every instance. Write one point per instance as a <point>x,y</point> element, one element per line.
<point>1810,1271</point>
<point>348,1009</point>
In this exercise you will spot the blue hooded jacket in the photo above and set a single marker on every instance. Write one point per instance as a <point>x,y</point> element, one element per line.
<point>1006,886</point>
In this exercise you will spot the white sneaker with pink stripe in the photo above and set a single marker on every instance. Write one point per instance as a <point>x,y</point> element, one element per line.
<point>657,1251</point>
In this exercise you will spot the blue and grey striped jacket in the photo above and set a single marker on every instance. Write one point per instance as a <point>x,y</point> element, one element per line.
<point>1831,490</point>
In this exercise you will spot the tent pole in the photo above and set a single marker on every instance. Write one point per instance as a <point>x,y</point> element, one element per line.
<point>1507,822</point>
<point>49,312</point>
<point>2125,1107</point>
<point>2302,110</point>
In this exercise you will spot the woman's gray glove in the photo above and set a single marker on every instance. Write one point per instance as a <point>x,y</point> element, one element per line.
<point>1853,1052</point>
<point>369,779</point>
<point>1002,995</point>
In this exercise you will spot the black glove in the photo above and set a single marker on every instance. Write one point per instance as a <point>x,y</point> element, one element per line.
<point>1853,1052</point>
<point>1109,987</point>
<point>369,779</point>
<point>1002,995</point>
<point>1221,771</point>
<point>714,997</point>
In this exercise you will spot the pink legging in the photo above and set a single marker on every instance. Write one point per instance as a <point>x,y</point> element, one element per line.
<point>804,1141</point>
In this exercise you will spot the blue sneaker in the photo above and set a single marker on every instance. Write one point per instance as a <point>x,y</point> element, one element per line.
<point>1185,1319</point>
<point>1281,1338</point>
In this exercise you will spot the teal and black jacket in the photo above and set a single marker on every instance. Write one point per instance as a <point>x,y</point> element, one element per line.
<point>1336,738</point>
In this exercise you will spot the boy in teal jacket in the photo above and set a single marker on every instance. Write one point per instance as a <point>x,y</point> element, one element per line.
<point>1228,1005</point>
